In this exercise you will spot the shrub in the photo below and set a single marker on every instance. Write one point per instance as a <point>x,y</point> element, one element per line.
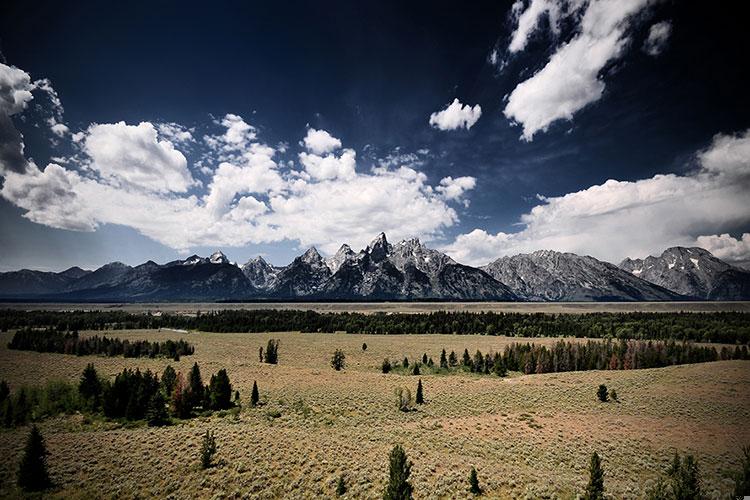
<point>420,395</point>
<point>398,487</point>
<point>742,479</point>
<point>595,488</point>
<point>474,482</point>
<point>613,395</point>
<point>685,475</point>
<point>208,449</point>
<point>601,393</point>
<point>338,361</point>
<point>340,484</point>
<point>386,367</point>
<point>32,473</point>
<point>404,399</point>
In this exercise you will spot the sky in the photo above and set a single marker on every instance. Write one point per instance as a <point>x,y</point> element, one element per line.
<point>155,130</point>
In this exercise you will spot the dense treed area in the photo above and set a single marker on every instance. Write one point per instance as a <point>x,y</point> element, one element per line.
<point>132,395</point>
<point>569,356</point>
<point>723,327</point>
<point>51,340</point>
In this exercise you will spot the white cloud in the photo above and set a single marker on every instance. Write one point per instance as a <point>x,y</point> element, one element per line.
<point>620,219</point>
<point>59,129</point>
<point>15,90</point>
<point>248,198</point>
<point>454,189</point>
<point>725,247</point>
<point>330,166</point>
<point>528,20</point>
<point>456,116</point>
<point>133,154</point>
<point>658,36</point>
<point>175,133</point>
<point>320,142</point>
<point>570,80</point>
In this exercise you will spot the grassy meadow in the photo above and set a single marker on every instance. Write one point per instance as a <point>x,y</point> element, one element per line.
<point>529,436</point>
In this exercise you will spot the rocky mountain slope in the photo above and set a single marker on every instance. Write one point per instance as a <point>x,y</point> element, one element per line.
<point>546,275</point>
<point>694,272</point>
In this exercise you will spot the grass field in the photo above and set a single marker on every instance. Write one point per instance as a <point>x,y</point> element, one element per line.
<point>528,436</point>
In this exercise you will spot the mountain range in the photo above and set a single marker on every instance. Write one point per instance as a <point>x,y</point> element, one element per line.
<point>407,270</point>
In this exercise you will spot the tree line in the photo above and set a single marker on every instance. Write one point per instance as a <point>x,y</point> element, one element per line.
<point>132,395</point>
<point>53,340</point>
<point>719,327</point>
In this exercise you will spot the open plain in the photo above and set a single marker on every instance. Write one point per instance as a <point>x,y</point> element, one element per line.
<point>529,436</point>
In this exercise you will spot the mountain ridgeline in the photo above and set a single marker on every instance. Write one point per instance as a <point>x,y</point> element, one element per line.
<point>383,271</point>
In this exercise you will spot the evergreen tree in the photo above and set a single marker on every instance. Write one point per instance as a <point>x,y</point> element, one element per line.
<point>32,473</point>
<point>466,359</point>
<point>272,352</point>
<point>405,364</point>
<point>341,486</point>
<point>208,449</point>
<point>453,359</point>
<point>157,410</point>
<point>181,398</point>
<point>613,395</point>
<point>686,482</point>
<point>338,361</point>
<point>196,386</point>
<point>601,393</point>
<point>4,391</point>
<point>420,396</point>
<point>498,367</point>
<point>659,491</point>
<point>398,487</point>
<point>415,369</point>
<point>168,379</point>
<point>595,488</point>
<point>364,346</point>
<point>443,360</point>
<point>260,354</point>
<point>424,358</point>
<point>90,387</point>
<point>220,390</point>
<point>742,479</point>
<point>478,363</point>
<point>386,367</point>
<point>474,482</point>
<point>254,396</point>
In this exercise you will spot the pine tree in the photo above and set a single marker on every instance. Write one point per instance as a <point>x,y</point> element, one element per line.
<point>453,359</point>
<point>398,487</point>
<point>498,367</point>
<point>466,359</point>
<point>405,364</point>
<point>341,486</point>
<point>208,449</point>
<point>32,473</point>
<point>420,396</point>
<point>260,354</point>
<point>415,369</point>
<point>601,393</point>
<point>168,379</point>
<point>196,386</point>
<point>254,396</point>
<point>181,398</point>
<point>443,360</point>
<point>90,387</point>
<point>4,391</point>
<point>157,410</point>
<point>364,346</point>
<point>220,390</point>
<point>474,482</point>
<point>686,482</point>
<point>595,488</point>
<point>338,361</point>
<point>424,358</point>
<point>272,352</point>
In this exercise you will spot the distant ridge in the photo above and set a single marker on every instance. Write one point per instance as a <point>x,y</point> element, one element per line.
<point>407,270</point>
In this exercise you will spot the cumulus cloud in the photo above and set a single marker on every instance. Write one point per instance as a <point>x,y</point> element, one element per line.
<point>529,19</point>
<point>15,94</point>
<point>131,175</point>
<point>621,219</point>
<point>455,116</point>
<point>320,142</point>
<point>133,154</point>
<point>728,248</point>
<point>454,189</point>
<point>571,78</point>
<point>658,36</point>
<point>175,133</point>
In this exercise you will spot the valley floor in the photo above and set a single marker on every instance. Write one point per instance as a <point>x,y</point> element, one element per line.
<point>528,436</point>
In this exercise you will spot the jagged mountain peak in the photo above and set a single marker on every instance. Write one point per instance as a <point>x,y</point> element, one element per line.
<point>343,254</point>
<point>378,248</point>
<point>218,257</point>
<point>311,256</point>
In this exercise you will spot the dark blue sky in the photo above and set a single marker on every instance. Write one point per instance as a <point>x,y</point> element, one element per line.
<point>371,74</point>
